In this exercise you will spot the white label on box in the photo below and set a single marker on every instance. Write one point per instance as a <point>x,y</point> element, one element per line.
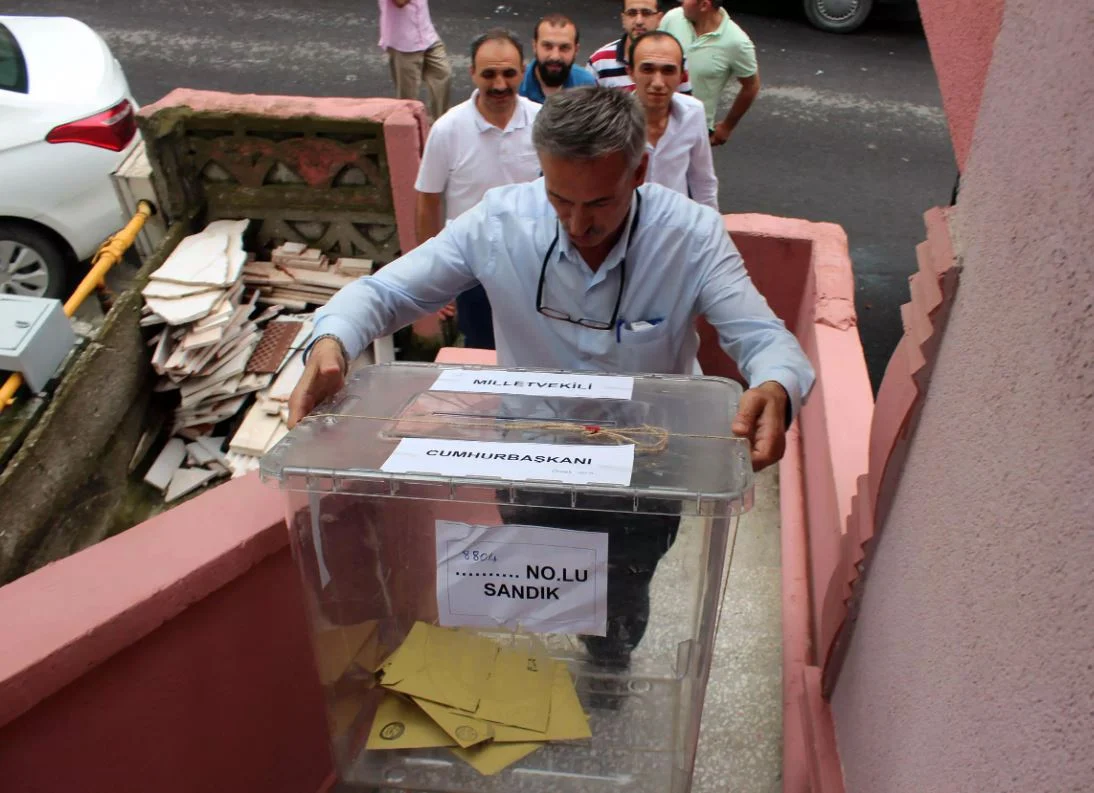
<point>575,465</point>
<point>501,381</point>
<point>534,579</point>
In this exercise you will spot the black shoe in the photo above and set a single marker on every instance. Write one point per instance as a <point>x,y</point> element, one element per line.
<point>608,653</point>
<point>608,662</point>
<point>602,692</point>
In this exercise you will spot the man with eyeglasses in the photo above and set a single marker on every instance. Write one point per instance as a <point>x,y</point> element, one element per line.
<point>588,269</point>
<point>609,63</point>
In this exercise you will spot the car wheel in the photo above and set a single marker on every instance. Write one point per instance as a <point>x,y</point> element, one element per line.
<point>31,264</point>
<point>838,16</point>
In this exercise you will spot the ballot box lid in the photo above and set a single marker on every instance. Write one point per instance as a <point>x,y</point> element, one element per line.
<point>589,440</point>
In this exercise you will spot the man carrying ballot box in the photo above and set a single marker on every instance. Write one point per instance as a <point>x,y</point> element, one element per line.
<point>588,269</point>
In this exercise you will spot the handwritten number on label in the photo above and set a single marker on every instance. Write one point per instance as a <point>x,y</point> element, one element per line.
<point>479,556</point>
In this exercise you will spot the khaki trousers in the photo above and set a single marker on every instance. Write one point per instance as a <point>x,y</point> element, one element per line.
<point>410,69</point>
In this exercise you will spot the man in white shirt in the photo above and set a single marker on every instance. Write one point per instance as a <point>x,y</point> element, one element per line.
<point>481,143</point>
<point>676,127</point>
<point>609,63</point>
<point>590,269</point>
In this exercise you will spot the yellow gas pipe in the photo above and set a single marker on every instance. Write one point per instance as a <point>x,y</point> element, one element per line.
<point>109,254</point>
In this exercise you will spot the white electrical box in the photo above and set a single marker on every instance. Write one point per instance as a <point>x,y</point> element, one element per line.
<point>35,337</point>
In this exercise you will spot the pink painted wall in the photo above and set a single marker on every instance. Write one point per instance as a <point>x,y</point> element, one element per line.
<point>895,416</point>
<point>173,657</point>
<point>961,34</point>
<point>804,271</point>
<point>970,666</point>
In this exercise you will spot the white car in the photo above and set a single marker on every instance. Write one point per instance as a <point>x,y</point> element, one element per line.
<point>67,120</point>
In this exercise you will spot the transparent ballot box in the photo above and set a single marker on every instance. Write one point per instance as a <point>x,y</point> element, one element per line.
<point>514,577</point>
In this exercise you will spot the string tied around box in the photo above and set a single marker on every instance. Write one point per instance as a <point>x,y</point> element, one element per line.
<point>646,439</point>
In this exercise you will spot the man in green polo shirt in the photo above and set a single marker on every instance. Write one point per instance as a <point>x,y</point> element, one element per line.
<point>716,49</point>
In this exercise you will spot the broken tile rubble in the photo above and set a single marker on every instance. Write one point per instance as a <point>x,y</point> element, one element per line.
<point>298,276</point>
<point>222,354</point>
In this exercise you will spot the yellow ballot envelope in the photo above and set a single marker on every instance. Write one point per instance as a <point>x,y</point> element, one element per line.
<point>400,724</point>
<point>567,722</point>
<point>441,665</point>
<point>465,729</point>
<point>493,706</point>
<point>518,691</point>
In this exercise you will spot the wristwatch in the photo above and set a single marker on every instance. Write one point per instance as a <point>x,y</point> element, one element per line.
<point>341,346</point>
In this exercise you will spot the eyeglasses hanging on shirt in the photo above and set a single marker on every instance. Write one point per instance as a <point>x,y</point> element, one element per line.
<point>594,324</point>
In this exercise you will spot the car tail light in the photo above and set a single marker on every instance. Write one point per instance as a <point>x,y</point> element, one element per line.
<point>112,129</point>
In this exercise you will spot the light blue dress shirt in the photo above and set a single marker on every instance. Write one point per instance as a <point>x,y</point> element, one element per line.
<point>680,265</point>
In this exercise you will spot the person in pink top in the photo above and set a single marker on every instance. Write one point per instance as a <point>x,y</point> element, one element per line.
<point>415,53</point>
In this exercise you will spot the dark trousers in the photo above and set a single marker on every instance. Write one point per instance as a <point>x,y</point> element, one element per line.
<point>475,319</point>
<point>636,544</point>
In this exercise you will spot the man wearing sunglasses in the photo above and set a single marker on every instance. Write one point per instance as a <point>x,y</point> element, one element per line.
<point>609,63</point>
<point>587,269</point>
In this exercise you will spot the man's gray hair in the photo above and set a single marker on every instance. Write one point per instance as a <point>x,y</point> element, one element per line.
<point>591,122</point>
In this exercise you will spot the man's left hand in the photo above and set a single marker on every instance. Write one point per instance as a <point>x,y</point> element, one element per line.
<point>761,417</point>
<point>721,133</point>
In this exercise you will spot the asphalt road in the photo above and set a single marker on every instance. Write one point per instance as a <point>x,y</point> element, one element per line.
<point>847,129</point>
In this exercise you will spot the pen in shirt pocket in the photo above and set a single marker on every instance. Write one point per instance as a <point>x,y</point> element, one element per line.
<point>635,327</point>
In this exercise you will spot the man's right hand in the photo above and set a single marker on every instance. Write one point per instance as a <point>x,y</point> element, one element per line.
<point>720,134</point>
<point>323,377</point>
